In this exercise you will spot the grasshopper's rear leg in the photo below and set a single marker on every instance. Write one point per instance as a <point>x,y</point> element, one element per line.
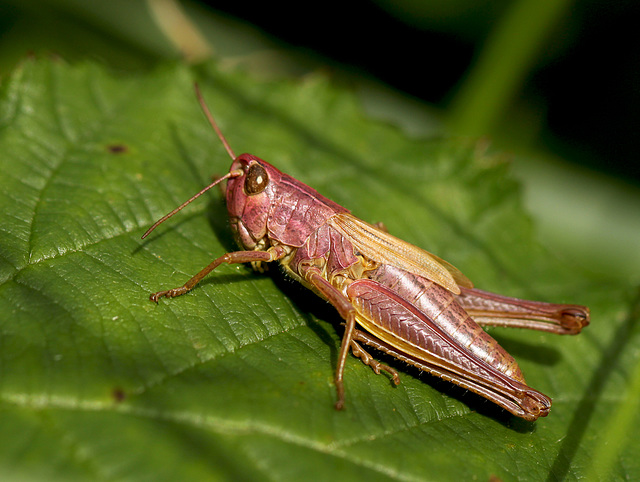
<point>272,254</point>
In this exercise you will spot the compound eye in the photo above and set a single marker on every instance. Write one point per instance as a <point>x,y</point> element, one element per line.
<point>256,181</point>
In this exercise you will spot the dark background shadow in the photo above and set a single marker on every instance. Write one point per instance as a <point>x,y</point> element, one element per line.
<point>584,84</point>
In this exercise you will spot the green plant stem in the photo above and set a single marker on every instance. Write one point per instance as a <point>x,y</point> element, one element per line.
<point>509,53</point>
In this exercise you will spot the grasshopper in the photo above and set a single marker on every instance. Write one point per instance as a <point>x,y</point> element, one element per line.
<point>393,296</point>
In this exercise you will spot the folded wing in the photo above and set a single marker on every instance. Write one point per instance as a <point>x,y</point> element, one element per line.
<point>383,247</point>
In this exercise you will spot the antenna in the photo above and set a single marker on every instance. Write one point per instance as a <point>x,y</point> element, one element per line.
<point>229,175</point>
<point>212,121</point>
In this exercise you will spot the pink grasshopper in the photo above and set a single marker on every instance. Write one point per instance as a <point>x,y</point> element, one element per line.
<point>407,302</point>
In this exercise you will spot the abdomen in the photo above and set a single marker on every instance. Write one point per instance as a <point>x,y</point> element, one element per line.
<point>439,305</point>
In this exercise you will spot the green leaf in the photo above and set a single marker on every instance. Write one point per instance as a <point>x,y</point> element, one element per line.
<point>234,380</point>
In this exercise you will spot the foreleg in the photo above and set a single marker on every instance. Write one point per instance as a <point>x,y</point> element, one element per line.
<point>272,254</point>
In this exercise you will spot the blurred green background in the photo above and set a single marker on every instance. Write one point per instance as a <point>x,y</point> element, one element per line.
<point>554,83</point>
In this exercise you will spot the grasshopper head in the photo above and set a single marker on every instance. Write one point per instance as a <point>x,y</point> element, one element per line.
<point>249,198</point>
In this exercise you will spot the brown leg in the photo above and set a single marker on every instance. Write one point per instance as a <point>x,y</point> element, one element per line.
<point>375,365</point>
<point>348,312</point>
<point>491,309</point>
<point>272,254</point>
